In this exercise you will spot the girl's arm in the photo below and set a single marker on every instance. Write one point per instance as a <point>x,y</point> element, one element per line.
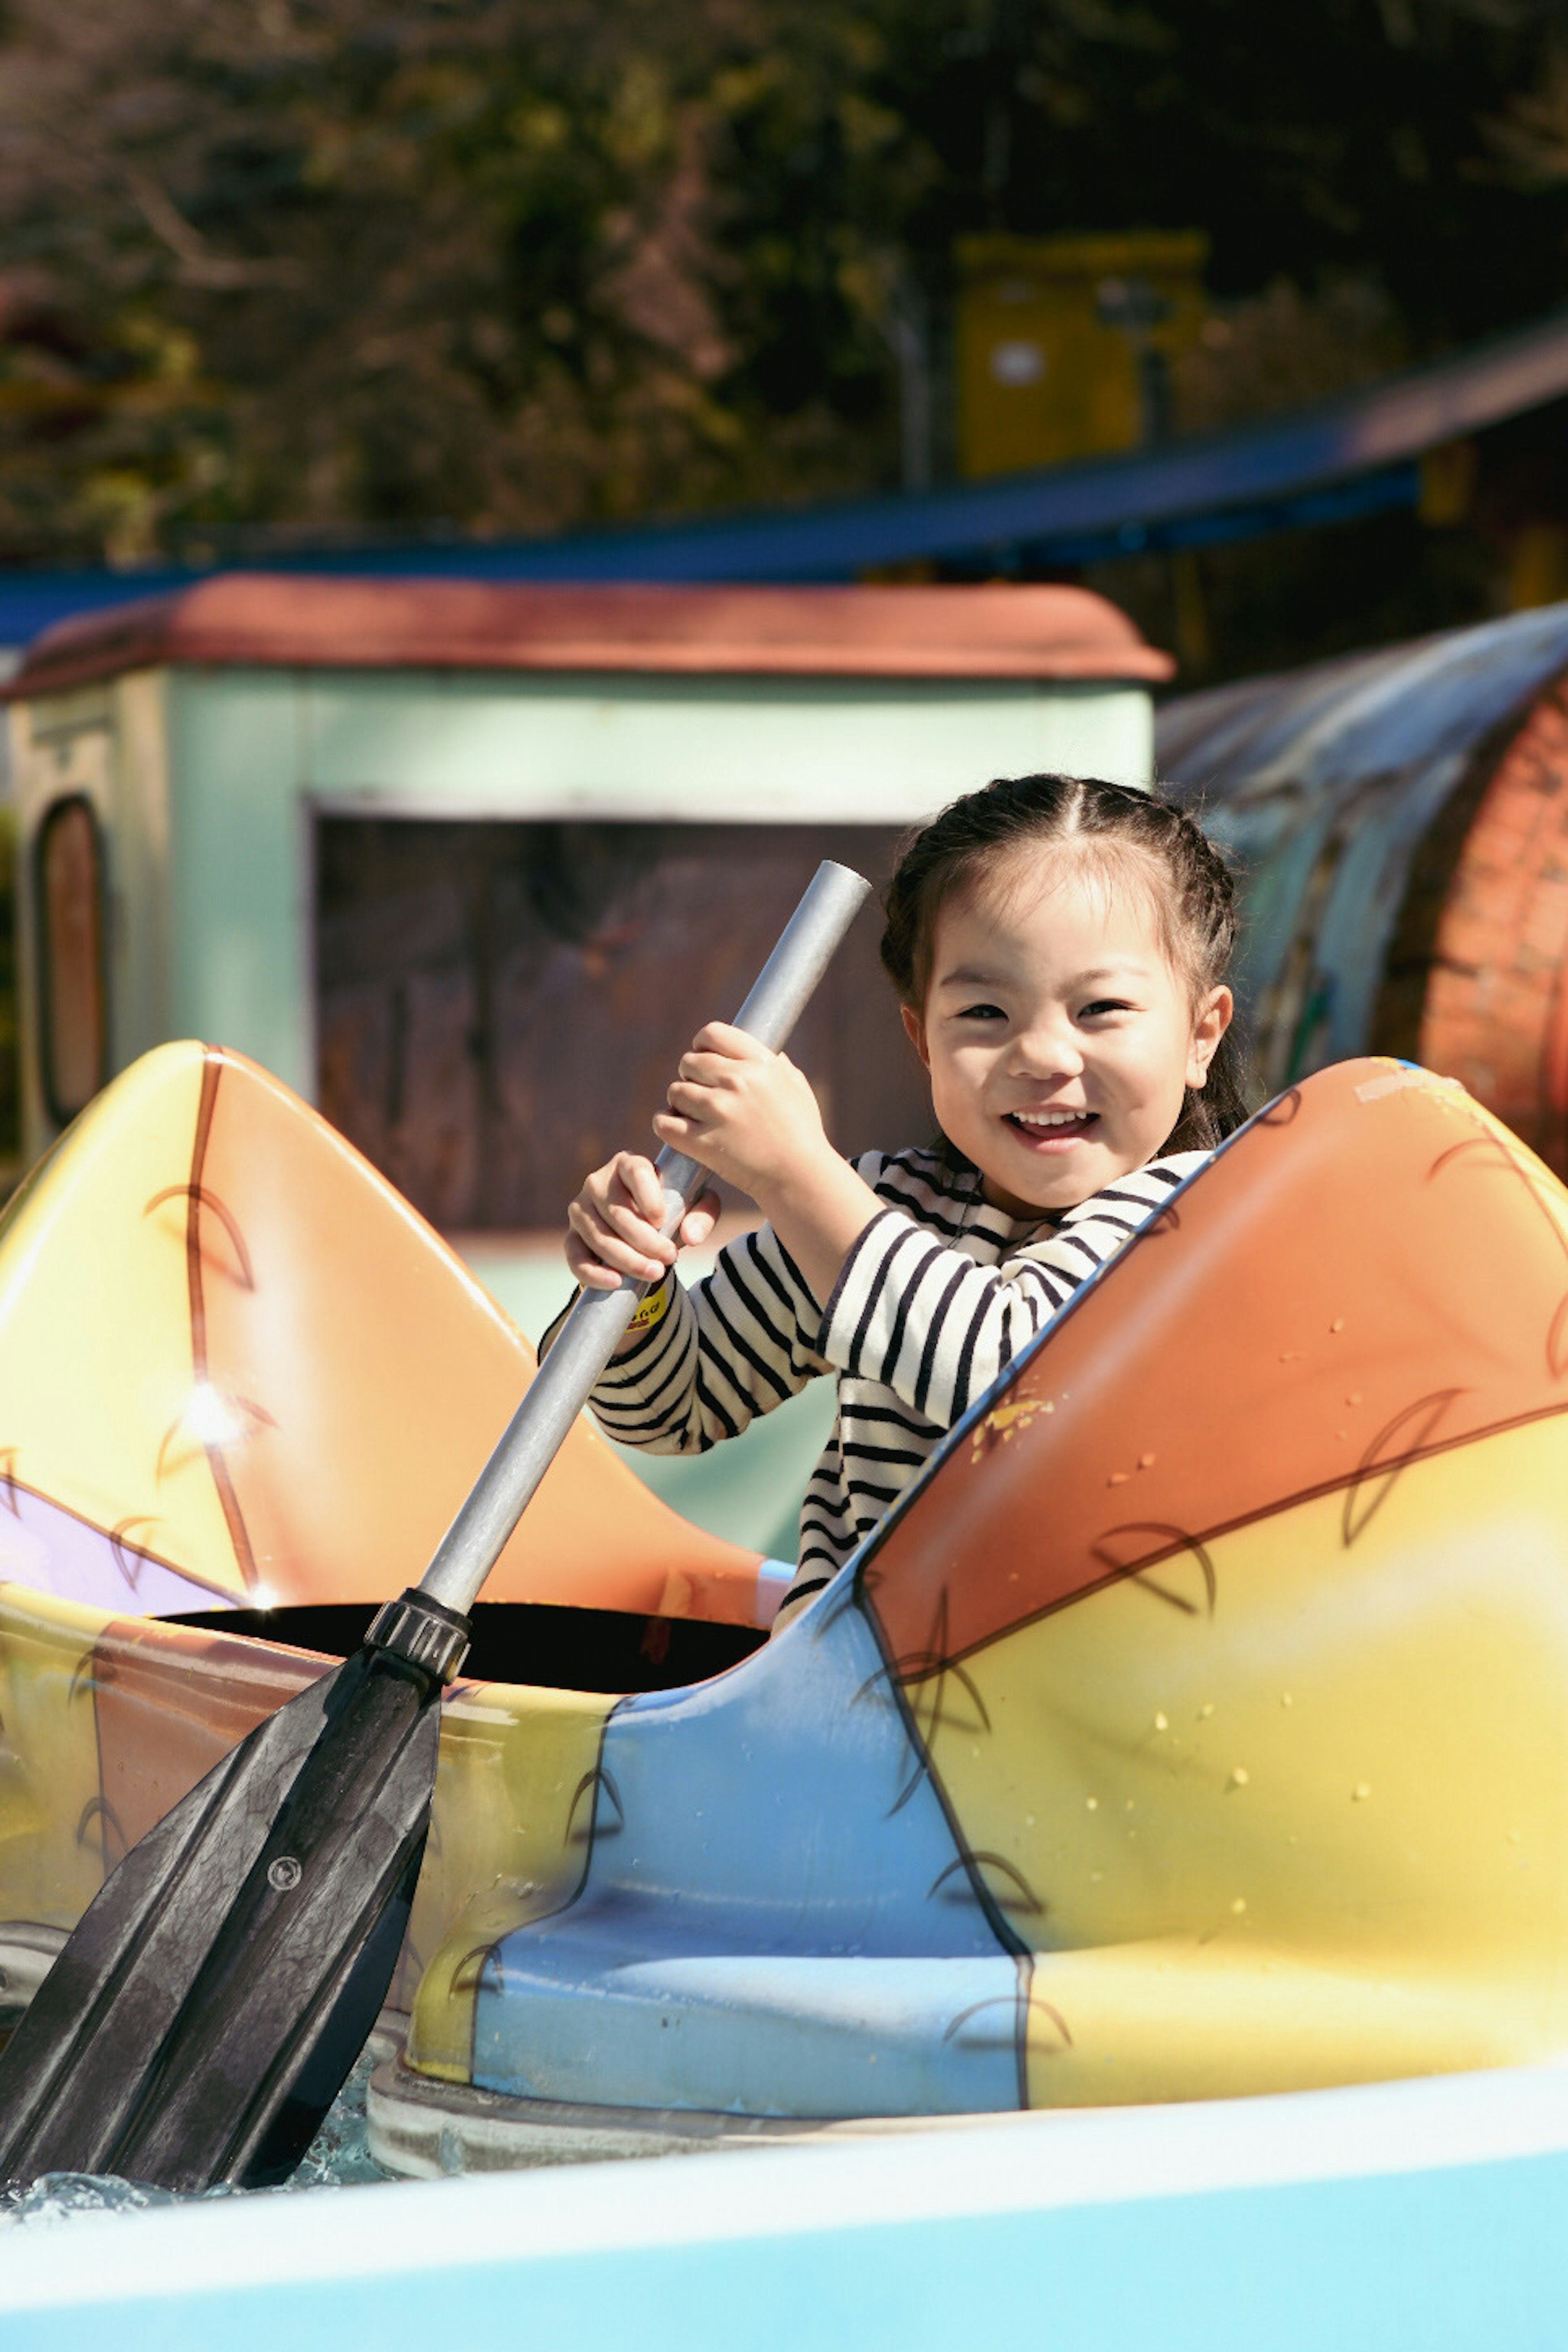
<point>708,1360</point>
<point>927,1322</point>
<point>738,1343</point>
<point>900,1307</point>
<point>696,1365</point>
<point>613,1227</point>
<point>749,1115</point>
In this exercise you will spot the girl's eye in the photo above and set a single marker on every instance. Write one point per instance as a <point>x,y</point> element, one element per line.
<point>982,1012</point>
<point>1104,1004</point>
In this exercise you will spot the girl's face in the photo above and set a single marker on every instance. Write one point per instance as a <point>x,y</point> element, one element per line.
<point>1059,1039</point>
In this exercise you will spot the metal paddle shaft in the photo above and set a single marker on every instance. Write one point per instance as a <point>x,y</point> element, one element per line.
<point>598,1320</point>
<point>206,2011</point>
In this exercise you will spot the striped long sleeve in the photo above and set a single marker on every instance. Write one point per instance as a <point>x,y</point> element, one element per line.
<point>737,1345</point>
<point>915,1315</point>
<point>938,1294</point>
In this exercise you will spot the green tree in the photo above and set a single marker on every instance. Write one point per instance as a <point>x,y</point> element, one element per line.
<point>278,270</point>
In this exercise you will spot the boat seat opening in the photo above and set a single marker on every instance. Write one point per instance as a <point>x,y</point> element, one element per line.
<point>537,1642</point>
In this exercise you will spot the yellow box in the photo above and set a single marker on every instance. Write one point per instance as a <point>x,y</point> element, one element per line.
<point>1064,344</point>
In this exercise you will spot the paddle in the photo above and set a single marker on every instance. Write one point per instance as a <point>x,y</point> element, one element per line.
<point>203,2015</point>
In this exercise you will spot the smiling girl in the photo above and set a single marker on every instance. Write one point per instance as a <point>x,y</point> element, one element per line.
<point>1059,948</point>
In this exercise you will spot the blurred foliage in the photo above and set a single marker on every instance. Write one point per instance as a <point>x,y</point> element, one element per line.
<point>274,271</point>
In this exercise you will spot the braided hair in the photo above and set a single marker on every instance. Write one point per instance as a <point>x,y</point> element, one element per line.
<point>1111,828</point>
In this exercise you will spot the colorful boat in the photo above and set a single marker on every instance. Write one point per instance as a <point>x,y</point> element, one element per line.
<point>1195,1728</point>
<point>243,1385</point>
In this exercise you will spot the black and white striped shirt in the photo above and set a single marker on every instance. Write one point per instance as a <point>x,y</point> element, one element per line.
<point>935,1298</point>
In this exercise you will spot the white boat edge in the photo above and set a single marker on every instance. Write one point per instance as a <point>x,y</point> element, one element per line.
<point>845,2180</point>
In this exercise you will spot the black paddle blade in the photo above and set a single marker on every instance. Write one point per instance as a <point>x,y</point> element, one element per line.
<point>202,2017</point>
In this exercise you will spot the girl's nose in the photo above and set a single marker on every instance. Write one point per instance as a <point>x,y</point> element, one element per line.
<point>1047,1049</point>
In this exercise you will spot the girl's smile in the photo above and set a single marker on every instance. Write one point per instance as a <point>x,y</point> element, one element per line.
<point>1059,1039</point>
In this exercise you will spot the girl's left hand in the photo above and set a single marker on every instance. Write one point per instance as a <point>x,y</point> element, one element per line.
<point>746,1113</point>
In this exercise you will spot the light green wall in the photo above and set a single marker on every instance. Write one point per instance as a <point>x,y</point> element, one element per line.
<point>253,753</point>
<point>861,750</point>
<point>239,944</point>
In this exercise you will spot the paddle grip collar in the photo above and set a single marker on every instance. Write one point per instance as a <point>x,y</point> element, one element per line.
<point>424,1634</point>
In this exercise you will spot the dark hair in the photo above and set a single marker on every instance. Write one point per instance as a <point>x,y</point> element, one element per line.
<point>1112,826</point>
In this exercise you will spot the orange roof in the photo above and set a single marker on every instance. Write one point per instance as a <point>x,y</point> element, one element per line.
<point>276,620</point>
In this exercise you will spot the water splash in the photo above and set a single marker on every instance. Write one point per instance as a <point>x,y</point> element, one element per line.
<point>337,2158</point>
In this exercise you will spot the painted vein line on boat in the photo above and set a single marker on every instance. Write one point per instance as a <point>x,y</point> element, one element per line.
<point>217,1463</point>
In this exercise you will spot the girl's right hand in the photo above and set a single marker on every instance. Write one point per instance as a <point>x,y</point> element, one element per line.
<point>615,1222</point>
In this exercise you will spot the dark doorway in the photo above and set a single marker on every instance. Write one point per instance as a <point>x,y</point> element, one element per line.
<point>502,1004</point>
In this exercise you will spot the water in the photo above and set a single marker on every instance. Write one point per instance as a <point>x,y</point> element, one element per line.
<point>337,2158</point>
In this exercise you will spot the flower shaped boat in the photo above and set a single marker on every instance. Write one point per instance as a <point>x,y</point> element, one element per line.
<point>1197,1726</point>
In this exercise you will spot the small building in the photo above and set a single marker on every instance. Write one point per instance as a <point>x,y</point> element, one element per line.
<point>466,864</point>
